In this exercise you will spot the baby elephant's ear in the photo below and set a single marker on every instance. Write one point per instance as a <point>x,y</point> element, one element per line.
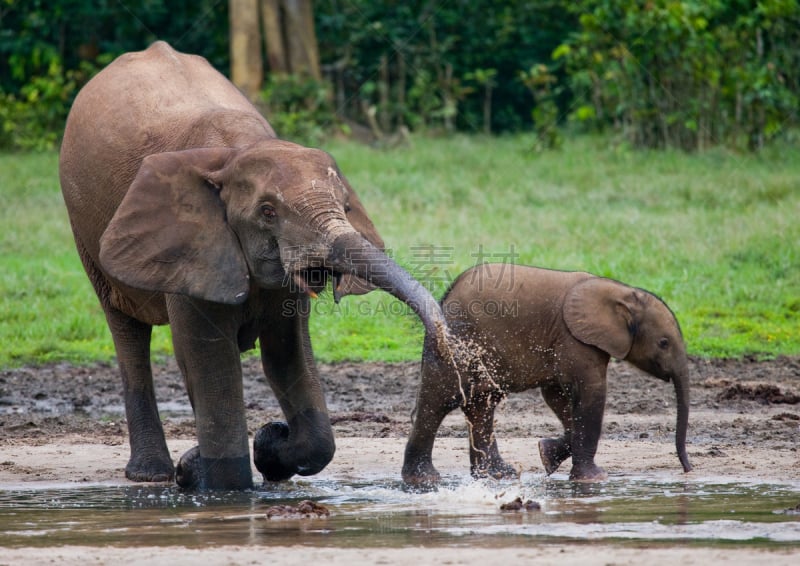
<point>169,234</point>
<point>603,312</point>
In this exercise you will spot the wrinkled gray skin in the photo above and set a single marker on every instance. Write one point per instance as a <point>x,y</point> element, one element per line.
<point>187,211</point>
<point>529,327</point>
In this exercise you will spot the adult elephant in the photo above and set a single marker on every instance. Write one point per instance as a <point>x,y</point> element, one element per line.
<point>188,211</point>
<point>530,327</point>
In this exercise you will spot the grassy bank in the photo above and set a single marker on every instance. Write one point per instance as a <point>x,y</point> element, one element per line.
<point>716,235</point>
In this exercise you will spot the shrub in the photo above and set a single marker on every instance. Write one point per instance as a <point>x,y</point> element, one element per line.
<point>686,74</point>
<point>298,108</point>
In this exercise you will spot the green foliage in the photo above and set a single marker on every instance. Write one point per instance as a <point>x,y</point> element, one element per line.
<point>541,83</point>
<point>715,234</point>
<point>690,74</point>
<point>687,74</point>
<point>50,48</point>
<point>34,118</point>
<point>424,64</point>
<point>298,108</point>
<point>35,32</point>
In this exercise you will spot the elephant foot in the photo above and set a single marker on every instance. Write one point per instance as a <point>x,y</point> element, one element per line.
<point>187,472</point>
<point>553,451</point>
<point>497,470</point>
<point>150,469</point>
<point>194,472</point>
<point>278,455</point>
<point>267,445</point>
<point>587,473</point>
<point>421,476</point>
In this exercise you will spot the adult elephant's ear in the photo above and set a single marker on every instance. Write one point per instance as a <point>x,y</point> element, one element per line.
<point>603,312</point>
<point>358,218</point>
<point>169,234</point>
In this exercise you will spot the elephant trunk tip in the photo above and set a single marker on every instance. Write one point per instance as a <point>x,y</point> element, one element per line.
<point>461,352</point>
<point>443,338</point>
<point>684,458</point>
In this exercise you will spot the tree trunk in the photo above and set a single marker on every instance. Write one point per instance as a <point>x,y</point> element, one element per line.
<point>401,89</point>
<point>246,64</point>
<point>273,37</point>
<point>384,110</point>
<point>301,38</point>
<point>487,109</point>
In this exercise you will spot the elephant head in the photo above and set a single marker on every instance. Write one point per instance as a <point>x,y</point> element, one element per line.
<point>212,223</point>
<point>636,326</point>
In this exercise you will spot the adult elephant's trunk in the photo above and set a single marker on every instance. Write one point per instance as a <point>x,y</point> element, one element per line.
<point>681,382</point>
<point>352,254</point>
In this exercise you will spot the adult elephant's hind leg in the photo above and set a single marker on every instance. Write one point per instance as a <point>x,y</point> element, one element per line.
<point>304,444</point>
<point>150,460</point>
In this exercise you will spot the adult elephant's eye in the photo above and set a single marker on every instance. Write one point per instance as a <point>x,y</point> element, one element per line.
<point>268,211</point>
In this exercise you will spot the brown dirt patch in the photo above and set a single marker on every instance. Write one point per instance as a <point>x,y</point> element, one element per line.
<point>733,402</point>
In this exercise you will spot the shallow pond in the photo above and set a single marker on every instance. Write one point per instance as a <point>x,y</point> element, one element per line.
<point>383,513</point>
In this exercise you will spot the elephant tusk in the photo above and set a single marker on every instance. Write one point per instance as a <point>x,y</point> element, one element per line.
<point>302,286</point>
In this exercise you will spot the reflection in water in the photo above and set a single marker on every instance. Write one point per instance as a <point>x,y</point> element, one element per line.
<point>383,513</point>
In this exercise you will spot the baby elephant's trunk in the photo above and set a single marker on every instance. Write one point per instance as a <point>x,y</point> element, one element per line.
<point>681,381</point>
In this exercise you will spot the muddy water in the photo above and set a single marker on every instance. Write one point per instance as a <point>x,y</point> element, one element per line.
<point>382,513</point>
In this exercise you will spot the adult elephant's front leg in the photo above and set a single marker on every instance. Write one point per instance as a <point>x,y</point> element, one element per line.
<point>304,444</point>
<point>204,336</point>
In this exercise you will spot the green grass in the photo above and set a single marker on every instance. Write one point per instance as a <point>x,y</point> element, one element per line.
<point>716,235</point>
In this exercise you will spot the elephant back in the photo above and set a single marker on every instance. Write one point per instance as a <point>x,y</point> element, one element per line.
<point>501,300</point>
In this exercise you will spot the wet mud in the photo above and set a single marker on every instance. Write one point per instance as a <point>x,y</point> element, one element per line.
<point>732,401</point>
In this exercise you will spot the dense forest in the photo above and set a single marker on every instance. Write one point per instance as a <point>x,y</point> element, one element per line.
<point>689,74</point>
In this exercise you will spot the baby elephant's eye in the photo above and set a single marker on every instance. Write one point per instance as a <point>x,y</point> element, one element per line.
<point>663,343</point>
<point>268,211</point>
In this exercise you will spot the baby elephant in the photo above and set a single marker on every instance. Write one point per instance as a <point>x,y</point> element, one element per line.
<point>523,327</point>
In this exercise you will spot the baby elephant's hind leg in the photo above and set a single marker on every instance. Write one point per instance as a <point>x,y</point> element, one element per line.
<point>484,456</point>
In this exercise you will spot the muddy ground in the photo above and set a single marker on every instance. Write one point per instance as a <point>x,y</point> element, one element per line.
<point>735,404</point>
<point>62,423</point>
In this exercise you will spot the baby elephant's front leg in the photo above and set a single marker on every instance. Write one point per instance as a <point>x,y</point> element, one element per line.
<point>553,451</point>
<point>588,405</point>
<point>580,410</point>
